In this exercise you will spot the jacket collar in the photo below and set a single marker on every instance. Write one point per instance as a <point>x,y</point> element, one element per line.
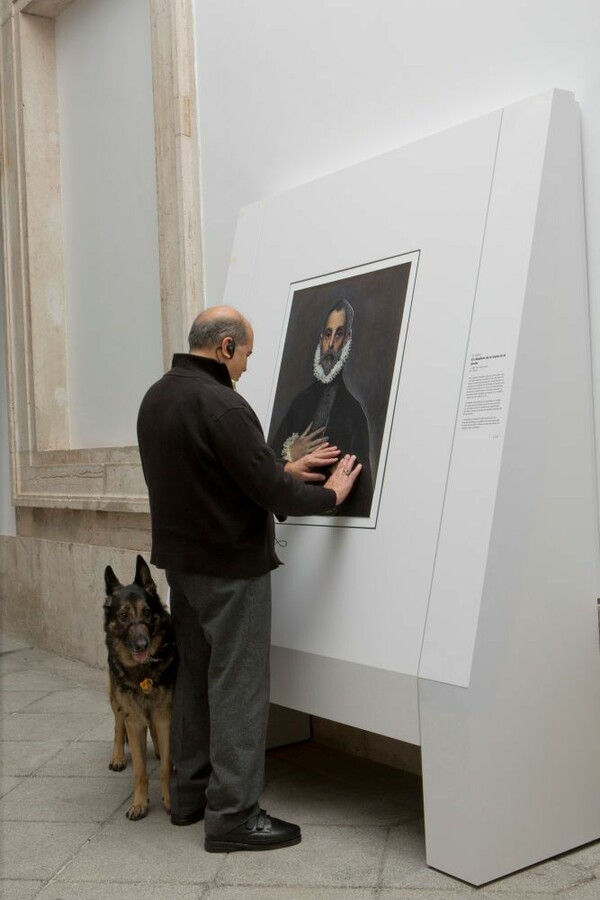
<point>188,364</point>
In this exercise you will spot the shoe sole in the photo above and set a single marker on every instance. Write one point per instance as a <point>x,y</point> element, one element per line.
<point>187,820</point>
<point>215,846</point>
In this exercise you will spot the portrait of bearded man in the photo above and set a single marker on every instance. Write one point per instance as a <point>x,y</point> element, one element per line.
<point>328,411</point>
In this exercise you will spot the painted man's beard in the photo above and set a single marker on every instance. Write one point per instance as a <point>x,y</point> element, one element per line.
<point>328,365</point>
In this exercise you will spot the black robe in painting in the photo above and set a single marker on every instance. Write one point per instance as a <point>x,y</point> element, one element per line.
<point>346,426</point>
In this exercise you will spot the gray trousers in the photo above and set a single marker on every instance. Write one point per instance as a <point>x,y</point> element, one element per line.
<point>221,703</point>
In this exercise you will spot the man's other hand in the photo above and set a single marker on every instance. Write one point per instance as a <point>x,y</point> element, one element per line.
<point>345,474</point>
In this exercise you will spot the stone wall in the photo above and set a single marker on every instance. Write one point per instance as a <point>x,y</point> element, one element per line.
<point>52,576</point>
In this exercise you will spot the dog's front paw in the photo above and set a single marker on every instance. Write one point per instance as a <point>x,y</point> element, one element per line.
<point>166,803</point>
<point>137,811</point>
<point>117,764</point>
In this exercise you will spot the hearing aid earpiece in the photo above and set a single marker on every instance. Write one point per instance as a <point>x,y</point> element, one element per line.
<point>230,348</point>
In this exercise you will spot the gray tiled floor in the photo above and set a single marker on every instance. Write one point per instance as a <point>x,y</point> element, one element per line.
<point>64,835</point>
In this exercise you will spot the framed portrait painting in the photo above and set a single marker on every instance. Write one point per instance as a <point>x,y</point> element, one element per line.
<point>338,372</point>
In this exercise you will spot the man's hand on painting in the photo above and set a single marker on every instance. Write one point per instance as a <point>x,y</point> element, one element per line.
<point>323,457</point>
<point>345,474</point>
<point>299,445</point>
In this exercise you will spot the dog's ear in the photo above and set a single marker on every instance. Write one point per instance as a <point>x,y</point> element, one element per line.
<point>111,581</point>
<point>143,576</point>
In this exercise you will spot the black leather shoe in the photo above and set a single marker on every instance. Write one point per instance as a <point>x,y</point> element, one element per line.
<point>187,818</point>
<point>260,832</point>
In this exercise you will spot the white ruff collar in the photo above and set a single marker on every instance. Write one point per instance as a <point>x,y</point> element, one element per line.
<point>318,368</point>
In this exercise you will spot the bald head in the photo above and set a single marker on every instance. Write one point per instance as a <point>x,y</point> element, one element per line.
<point>213,325</point>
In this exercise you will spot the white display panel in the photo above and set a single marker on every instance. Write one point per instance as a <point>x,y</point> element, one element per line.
<point>360,595</point>
<point>464,617</point>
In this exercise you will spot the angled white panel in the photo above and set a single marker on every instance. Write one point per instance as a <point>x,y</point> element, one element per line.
<point>510,763</point>
<point>478,447</point>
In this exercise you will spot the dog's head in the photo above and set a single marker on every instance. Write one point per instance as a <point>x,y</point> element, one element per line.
<point>133,614</point>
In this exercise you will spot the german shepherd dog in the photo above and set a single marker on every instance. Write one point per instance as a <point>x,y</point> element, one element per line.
<point>142,663</point>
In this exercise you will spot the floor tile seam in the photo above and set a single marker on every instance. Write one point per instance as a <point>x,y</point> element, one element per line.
<point>80,821</point>
<point>40,891</point>
<point>221,864</point>
<point>106,718</point>
<point>92,687</point>
<point>49,741</point>
<point>46,762</point>
<point>298,885</point>
<point>9,791</point>
<point>419,816</point>
<point>39,668</point>
<point>38,773</point>
<point>87,840</point>
<point>25,708</point>
<point>589,873</point>
<point>66,741</point>
<point>575,865</point>
<point>453,888</point>
<point>291,885</point>
<point>414,817</point>
<point>591,876</point>
<point>62,882</point>
<point>84,777</point>
<point>18,880</point>
<point>75,853</point>
<point>80,739</point>
<point>508,892</point>
<point>47,712</point>
<point>374,825</point>
<point>16,713</point>
<point>383,858</point>
<point>462,890</point>
<point>52,712</point>
<point>445,894</point>
<point>203,886</point>
<point>71,681</point>
<point>71,685</point>
<point>8,690</point>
